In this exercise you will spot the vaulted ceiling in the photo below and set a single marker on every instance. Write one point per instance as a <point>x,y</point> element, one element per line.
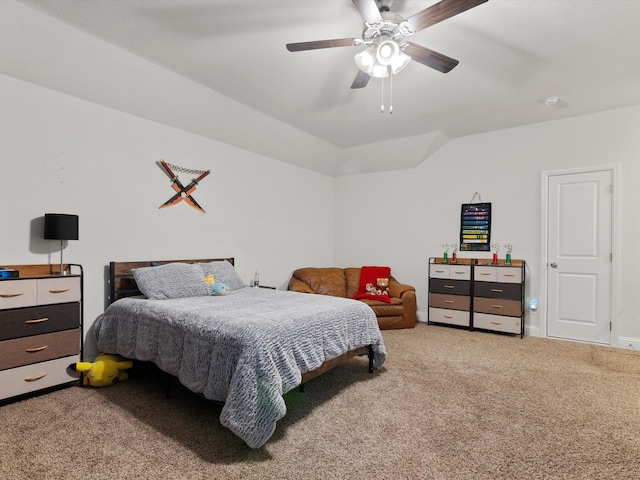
<point>512,54</point>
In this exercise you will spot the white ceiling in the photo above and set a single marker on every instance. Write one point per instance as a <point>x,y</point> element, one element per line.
<point>512,53</point>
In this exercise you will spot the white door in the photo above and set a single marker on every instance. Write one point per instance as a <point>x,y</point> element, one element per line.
<point>579,256</point>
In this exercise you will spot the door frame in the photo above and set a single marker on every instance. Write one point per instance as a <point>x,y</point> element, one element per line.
<point>615,170</point>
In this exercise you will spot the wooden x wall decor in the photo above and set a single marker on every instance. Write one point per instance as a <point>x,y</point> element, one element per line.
<point>182,192</point>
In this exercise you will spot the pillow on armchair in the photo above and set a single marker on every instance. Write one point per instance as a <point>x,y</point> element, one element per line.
<point>374,284</point>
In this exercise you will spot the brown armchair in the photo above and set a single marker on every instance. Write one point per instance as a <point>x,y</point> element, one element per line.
<point>344,282</point>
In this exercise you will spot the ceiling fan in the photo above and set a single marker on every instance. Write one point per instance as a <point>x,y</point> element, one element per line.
<point>384,33</point>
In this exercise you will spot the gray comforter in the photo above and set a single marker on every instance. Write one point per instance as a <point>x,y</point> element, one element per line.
<point>245,349</point>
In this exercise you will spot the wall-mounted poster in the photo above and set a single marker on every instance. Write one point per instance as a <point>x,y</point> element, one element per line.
<point>475,227</point>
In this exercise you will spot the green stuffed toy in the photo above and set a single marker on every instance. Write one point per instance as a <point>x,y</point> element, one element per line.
<point>104,370</point>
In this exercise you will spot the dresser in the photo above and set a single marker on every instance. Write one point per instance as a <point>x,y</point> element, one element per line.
<point>40,329</point>
<point>450,292</point>
<point>478,294</point>
<point>498,296</point>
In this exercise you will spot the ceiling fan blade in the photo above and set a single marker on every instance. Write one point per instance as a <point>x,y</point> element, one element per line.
<point>340,42</point>
<point>439,12</point>
<point>429,57</point>
<point>369,11</point>
<point>361,80</point>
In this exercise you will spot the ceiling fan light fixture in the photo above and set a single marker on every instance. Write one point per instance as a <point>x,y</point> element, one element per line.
<point>379,71</point>
<point>387,52</point>
<point>401,61</point>
<point>366,60</point>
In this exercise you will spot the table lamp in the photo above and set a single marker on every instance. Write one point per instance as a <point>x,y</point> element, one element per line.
<point>60,226</point>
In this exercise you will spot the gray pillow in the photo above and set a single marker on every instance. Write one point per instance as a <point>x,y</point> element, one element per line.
<point>223,272</point>
<point>173,280</point>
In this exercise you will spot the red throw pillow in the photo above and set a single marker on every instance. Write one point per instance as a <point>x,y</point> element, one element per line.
<point>374,284</point>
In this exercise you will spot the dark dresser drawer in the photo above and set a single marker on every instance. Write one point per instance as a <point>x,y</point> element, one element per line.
<point>23,322</point>
<point>452,287</point>
<point>455,302</point>
<point>39,348</point>
<point>498,290</point>
<point>498,306</point>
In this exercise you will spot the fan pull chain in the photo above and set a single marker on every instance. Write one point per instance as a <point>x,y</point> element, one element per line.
<point>390,94</point>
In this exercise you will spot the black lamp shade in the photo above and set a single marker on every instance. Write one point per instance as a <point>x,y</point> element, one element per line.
<point>60,226</point>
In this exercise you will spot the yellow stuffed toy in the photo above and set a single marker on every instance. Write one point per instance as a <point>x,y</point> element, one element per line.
<point>104,370</point>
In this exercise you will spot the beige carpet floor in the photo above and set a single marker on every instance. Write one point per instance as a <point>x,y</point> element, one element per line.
<point>449,404</point>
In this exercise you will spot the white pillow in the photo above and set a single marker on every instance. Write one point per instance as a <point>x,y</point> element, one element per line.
<point>173,280</point>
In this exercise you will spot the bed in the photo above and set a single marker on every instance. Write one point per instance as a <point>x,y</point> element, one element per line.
<point>245,349</point>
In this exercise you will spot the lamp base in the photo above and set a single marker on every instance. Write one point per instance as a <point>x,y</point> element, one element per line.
<point>62,271</point>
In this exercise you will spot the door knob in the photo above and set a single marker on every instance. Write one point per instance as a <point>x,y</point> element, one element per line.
<point>553,265</point>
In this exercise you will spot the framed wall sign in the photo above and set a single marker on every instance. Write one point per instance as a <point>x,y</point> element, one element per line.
<point>475,227</point>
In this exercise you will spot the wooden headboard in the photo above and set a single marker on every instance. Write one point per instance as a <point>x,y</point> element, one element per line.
<point>122,283</point>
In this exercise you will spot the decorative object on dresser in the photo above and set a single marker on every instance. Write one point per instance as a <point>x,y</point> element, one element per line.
<point>40,329</point>
<point>478,294</point>
<point>60,226</point>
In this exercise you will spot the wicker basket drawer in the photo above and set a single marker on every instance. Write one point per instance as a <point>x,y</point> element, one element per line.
<point>451,317</point>
<point>497,323</point>
<point>30,378</point>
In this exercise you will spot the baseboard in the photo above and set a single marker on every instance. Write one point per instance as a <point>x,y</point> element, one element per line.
<point>532,330</point>
<point>629,343</point>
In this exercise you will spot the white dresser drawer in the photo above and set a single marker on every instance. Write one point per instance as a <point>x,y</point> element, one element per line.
<point>510,274</point>
<point>451,317</point>
<point>17,293</point>
<point>459,272</point>
<point>497,323</point>
<point>31,378</point>
<point>486,274</point>
<point>451,271</point>
<point>438,270</point>
<point>58,290</point>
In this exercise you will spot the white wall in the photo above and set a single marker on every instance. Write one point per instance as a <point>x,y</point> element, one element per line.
<point>66,153</point>
<point>402,218</point>
<point>61,154</point>
<point>39,49</point>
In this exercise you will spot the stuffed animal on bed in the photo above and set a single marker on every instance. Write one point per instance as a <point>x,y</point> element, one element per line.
<point>217,288</point>
<point>104,370</point>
